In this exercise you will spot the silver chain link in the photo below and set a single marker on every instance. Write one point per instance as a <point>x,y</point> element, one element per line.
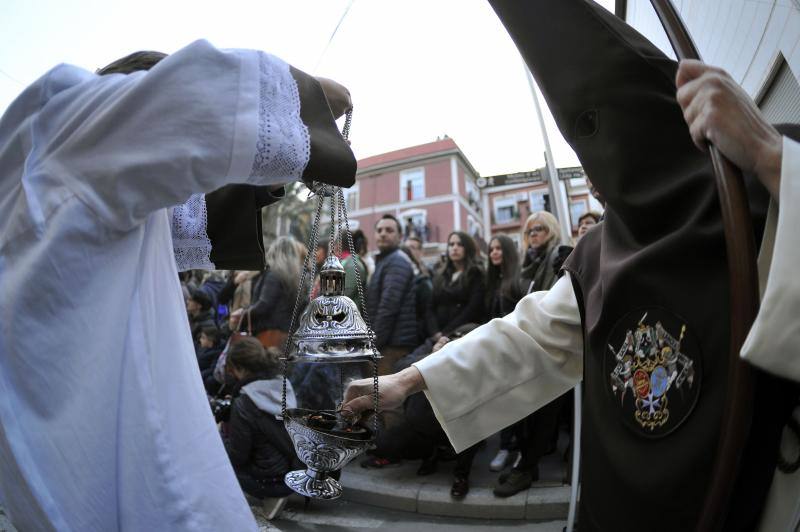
<point>332,228</point>
<point>364,313</point>
<point>312,247</point>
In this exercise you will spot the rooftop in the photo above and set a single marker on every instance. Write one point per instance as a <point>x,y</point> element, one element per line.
<point>414,152</point>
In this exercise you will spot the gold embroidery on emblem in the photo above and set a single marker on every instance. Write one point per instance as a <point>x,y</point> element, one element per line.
<point>649,363</point>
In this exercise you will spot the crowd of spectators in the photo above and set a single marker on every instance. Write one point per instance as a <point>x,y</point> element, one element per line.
<point>240,320</point>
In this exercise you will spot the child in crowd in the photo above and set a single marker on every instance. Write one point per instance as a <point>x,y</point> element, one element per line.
<point>257,443</point>
<point>209,350</point>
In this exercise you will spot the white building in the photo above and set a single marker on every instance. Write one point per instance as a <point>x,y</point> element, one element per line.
<point>757,42</point>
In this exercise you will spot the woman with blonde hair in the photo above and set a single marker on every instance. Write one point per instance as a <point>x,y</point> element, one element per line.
<point>541,237</point>
<point>536,434</point>
<point>274,293</point>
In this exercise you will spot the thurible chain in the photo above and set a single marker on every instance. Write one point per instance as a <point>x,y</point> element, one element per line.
<point>312,243</point>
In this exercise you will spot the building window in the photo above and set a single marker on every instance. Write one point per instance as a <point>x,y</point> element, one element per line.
<point>539,201</point>
<point>577,208</point>
<point>505,211</point>
<point>473,227</point>
<point>414,222</point>
<point>780,98</point>
<point>412,184</point>
<point>473,194</point>
<point>351,197</point>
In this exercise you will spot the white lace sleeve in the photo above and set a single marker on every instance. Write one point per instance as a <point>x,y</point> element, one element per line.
<point>190,242</point>
<point>284,145</point>
<point>282,151</point>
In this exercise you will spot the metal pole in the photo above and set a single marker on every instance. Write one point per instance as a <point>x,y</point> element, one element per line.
<point>559,195</point>
<point>576,456</point>
<point>554,184</point>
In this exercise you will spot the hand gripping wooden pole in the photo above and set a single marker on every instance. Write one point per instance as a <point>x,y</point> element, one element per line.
<point>741,249</point>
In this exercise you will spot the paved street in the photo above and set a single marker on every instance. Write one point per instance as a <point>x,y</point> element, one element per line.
<point>343,515</point>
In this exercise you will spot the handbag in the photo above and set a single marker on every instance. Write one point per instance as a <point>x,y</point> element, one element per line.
<point>272,337</point>
<point>238,334</point>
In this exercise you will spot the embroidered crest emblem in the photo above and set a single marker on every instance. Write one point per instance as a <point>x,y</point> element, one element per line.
<point>652,372</point>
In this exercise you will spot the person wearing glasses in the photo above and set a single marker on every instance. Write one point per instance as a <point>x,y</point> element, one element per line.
<point>541,237</point>
<point>537,433</point>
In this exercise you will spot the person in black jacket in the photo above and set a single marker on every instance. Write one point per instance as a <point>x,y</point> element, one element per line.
<point>210,349</point>
<point>502,277</point>
<point>391,298</point>
<point>257,443</point>
<point>458,288</point>
<point>423,290</point>
<point>537,434</point>
<point>502,295</point>
<point>541,237</point>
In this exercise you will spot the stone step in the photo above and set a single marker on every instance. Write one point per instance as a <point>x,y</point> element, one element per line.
<point>401,489</point>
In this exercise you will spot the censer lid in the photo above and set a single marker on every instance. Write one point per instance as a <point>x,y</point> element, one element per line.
<point>331,277</point>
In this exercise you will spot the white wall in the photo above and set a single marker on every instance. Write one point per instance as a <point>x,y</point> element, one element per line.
<point>742,36</point>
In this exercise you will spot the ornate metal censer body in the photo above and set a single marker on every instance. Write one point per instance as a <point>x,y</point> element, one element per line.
<point>331,334</point>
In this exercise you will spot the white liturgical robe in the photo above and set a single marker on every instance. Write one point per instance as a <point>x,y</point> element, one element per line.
<point>512,366</point>
<point>104,422</point>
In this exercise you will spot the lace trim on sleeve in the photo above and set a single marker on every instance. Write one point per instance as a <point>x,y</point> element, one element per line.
<point>283,146</point>
<point>190,242</point>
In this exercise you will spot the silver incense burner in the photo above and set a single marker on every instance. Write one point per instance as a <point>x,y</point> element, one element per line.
<point>333,341</point>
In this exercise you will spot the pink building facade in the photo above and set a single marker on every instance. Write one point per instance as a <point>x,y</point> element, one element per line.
<point>434,190</point>
<point>430,188</point>
<point>506,207</point>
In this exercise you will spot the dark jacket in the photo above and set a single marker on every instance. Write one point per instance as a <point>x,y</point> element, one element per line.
<point>207,357</point>
<point>391,300</point>
<point>539,269</point>
<point>501,304</point>
<point>455,303</point>
<point>212,286</point>
<point>225,295</point>
<point>423,288</point>
<point>257,443</point>
<point>272,304</point>
<point>417,408</point>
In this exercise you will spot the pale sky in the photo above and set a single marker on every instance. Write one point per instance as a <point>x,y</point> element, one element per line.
<point>417,69</point>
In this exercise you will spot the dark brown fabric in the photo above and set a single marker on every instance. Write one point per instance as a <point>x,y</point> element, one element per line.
<point>658,256</point>
<point>234,211</point>
<point>234,226</point>
<point>331,159</point>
